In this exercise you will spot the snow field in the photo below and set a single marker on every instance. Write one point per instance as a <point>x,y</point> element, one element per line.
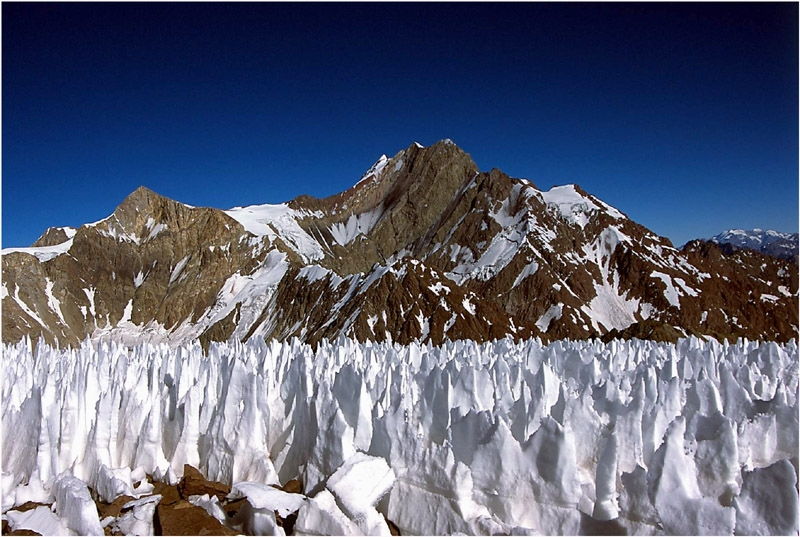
<point>689,438</point>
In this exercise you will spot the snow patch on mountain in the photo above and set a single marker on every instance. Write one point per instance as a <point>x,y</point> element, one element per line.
<point>154,228</point>
<point>52,302</point>
<point>42,253</point>
<point>279,221</point>
<point>670,292</point>
<point>610,307</point>
<point>361,224</point>
<point>374,170</point>
<point>570,204</point>
<point>552,313</point>
<point>504,246</point>
<point>251,292</point>
<point>178,268</point>
<point>114,229</point>
<point>526,271</point>
<point>313,273</point>
<point>68,231</point>
<point>25,308</point>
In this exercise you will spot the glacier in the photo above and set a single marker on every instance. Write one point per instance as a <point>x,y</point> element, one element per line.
<point>572,437</point>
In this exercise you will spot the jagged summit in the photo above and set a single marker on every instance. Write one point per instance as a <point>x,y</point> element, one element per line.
<point>143,193</point>
<point>416,157</point>
<point>139,202</point>
<point>424,246</point>
<point>54,236</point>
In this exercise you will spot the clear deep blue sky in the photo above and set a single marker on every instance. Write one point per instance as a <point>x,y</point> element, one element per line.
<point>684,116</point>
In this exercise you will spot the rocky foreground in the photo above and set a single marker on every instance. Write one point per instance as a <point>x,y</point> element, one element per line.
<point>506,437</point>
<point>195,506</point>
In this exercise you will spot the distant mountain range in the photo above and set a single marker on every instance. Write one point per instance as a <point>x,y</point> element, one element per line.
<point>424,246</point>
<point>768,242</point>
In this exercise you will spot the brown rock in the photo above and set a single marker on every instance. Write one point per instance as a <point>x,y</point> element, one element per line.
<point>51,237</point>
<point>393,529</point>
<point>194,483</point>
<point>21,532</point>
<point>232,508</point>
<point>590,526</point>
<point>286,523</point>
<point>294,486</point>
<point>183,518</point>
<point>651,330</point>
<point>169,493</point>
<point>113,508</point>
<point>27,506</point>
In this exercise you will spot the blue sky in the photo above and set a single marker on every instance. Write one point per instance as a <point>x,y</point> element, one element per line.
<point>684,116</point>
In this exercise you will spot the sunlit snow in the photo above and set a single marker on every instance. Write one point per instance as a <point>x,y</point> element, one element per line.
<point>278,221</point>
<point>516,438</point>
<point>42,253</point>
<point>361,224</point>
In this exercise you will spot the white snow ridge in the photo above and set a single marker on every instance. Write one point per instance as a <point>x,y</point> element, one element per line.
<point>518,438</point>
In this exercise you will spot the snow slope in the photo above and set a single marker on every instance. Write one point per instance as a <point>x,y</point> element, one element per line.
<point>506,437</point>
<point>574,206</point>
<point>42,253</point>
<point>278,221</point>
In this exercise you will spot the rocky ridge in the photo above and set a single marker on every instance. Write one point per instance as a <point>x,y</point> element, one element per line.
<point>424,247</point>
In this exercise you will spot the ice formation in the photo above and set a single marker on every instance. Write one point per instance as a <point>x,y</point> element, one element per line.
<point>643,437</point>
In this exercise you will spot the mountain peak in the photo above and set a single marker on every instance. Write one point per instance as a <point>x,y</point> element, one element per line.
<point>413,163</point>
<point>142,199</point>
<point>142,208</point>
<point>442,154</point>
<point>55,235</point>
<point>141,189</point>
<point>445,144</point>
<point>765,241</point>
<point>443,141</point>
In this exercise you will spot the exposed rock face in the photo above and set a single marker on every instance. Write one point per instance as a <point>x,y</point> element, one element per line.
<point>183,518</point>
<point>194,483</point>
<point>425,247</point>
<point>54,236</point>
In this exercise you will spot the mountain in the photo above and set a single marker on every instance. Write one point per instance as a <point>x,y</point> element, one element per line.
<point>424,246</point>
<point>768,242</point>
